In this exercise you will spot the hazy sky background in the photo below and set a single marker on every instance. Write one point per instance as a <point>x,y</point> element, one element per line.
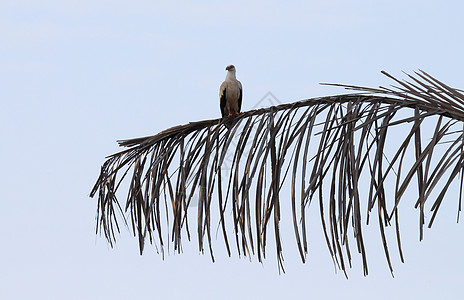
<point>75,76</point>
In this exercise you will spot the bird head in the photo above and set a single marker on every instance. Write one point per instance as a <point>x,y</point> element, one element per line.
<point>230,68</point>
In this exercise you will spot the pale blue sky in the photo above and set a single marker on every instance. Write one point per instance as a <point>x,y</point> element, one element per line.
<point>75,76</point>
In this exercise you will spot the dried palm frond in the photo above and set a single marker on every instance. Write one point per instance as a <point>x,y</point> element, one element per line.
<point>321,149</point>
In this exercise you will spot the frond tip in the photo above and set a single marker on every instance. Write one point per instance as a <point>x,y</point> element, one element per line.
<point>351,154</point>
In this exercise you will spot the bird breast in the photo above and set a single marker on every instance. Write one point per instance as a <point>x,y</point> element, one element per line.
<point>233,90</point>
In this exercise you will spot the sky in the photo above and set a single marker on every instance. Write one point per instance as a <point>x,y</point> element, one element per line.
<point>75,76</point>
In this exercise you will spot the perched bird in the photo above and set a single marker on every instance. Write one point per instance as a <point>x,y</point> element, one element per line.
<point>230,94</point>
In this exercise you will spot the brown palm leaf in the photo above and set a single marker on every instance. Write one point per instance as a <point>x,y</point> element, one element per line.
<point>354,155</point>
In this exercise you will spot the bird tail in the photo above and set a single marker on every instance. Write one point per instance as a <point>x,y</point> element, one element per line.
<point>229,122</point>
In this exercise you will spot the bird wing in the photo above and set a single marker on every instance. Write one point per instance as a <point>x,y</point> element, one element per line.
<point>240,98</point>
<point>222,97</point>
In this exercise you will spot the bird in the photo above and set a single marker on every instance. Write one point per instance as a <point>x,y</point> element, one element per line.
<point>230,94</point>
